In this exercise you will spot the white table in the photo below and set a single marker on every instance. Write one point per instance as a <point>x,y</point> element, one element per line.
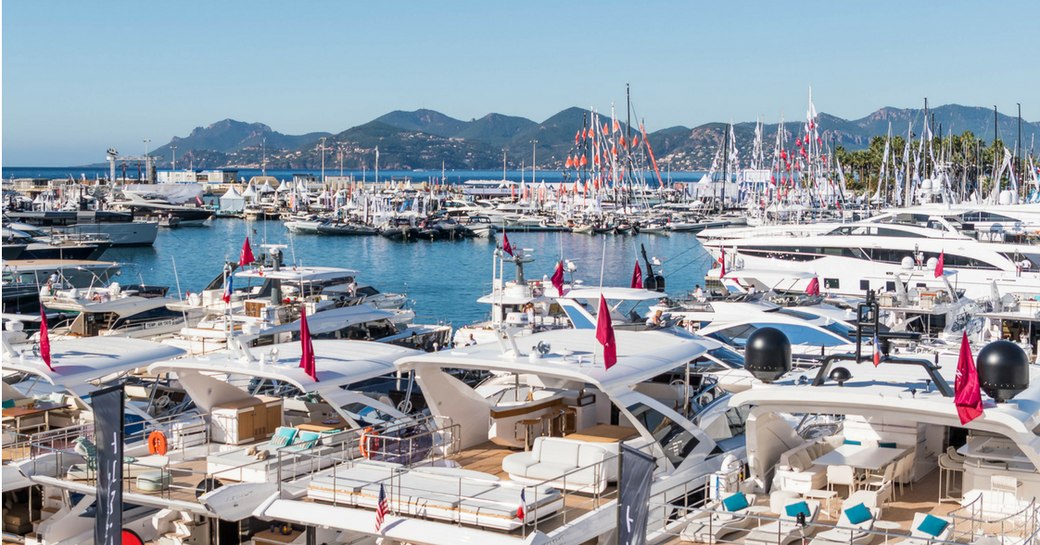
<point>859,456</point>
<point>887,526</point>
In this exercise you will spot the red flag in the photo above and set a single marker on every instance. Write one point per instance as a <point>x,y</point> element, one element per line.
<point>722,261</point>
<point>506,247</point>
<point>307,355</point>
<point>939,264</point>
<point>814,287</point>
<point>557,278</point>
<point>246,257</point>
<point>637,277</point>
<point>877,351</point>
<point>605,334</point>
<point>45,340</point>
<point>967,394</point>
<point>520,509</point>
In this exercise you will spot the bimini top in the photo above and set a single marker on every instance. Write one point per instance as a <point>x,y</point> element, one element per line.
<point>612,293</point>
<point>78,362</point>
<point>575,355</point>
<point>297,274</point>
<point>123,306</point>
<point>898,390</point>
<point>338,363</point>
<point>333,319</point>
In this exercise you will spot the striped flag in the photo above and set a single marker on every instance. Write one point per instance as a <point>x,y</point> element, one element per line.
<point>520,510</point>
<point>877,351</point>
<point>382,509</point>
<point>227,288</point>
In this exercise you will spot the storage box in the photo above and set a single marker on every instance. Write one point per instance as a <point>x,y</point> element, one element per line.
<point>234,423</point>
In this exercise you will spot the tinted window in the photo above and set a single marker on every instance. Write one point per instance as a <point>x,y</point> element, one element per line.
<point>676,442</point>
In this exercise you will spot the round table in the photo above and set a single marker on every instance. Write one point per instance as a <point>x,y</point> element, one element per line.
<point>887,526</point>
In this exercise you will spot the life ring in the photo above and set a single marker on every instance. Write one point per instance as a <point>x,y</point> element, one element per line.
<point>157,443</point>
<point>368,437</point>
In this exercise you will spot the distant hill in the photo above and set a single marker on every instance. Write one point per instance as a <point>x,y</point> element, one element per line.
<point>426,139</point>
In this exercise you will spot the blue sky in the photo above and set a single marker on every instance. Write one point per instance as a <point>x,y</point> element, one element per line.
<point>79,77</point>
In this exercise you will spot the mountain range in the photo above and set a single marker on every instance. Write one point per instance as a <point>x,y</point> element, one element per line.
<point>427,139</point>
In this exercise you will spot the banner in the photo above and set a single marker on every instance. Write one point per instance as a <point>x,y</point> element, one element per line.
<point>107,404</point>
<point>636,472</point>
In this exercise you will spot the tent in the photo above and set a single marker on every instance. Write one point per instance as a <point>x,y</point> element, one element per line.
<point>232,201</point>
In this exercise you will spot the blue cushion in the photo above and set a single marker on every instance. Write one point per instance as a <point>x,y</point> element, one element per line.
<point>736,502</point>
<point>283,436</point>
<point>857,514</point>
<point>306,439</point>
<point>800,507</point>
<point>887,445</point>
<point>933,525</point>
<point>852,442</point>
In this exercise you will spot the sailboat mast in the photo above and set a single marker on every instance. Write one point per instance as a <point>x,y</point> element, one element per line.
<point>725,172</point>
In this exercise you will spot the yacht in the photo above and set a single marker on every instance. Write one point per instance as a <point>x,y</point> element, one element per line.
<point>114,310</point>
<point>533,450</point>
<point>23,280</point>
<point>120,228</point>
<point>853,258</point>
<point>42,245</point>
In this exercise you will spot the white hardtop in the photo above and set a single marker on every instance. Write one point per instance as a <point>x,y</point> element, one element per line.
<point>338,363</point>
<point>78,362</point>
<point>297,274</point>
<point>614,293</point>
<point>124,306</point>
<point>901,391</point>
<point>576,355</point>
<point>334,319</point>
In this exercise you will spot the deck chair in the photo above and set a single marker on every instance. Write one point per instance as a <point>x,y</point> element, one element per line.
<point>927,529</point>
<point>847,531</point>
<point>786,530</point>
<point>132,467</point>
<point>719,519</point>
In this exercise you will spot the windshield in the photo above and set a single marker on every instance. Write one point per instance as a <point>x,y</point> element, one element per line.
<point>727,355</point>
<point>797,334</point>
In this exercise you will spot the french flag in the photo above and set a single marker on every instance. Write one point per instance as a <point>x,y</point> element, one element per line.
<point>877,351</point>
<point>520,510</point>
<point>228,289</point>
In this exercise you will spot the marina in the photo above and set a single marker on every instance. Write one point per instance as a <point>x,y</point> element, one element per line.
<point>682,313</point>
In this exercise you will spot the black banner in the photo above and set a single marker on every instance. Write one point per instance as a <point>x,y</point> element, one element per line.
<point>107,404</point>
<point>635,474</point>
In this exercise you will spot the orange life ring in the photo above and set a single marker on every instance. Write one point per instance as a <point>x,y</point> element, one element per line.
<point>367,435</point>
<point>157,443</point>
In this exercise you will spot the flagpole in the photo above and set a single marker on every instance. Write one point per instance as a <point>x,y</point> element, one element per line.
<point>603,263</point>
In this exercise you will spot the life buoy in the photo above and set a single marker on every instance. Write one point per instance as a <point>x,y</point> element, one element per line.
<point>157,443</point>
<point>369,439</point>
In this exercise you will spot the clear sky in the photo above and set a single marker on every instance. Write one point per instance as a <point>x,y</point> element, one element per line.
<point>79,77</point>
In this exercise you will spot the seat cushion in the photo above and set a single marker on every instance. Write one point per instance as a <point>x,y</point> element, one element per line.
<point>547,471</point>
<point>801,461</point>
<point>283,436</point>
<point>518,463</point>
<point>559,451</point>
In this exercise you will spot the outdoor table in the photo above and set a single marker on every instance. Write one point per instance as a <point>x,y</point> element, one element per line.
<point>859,456</point>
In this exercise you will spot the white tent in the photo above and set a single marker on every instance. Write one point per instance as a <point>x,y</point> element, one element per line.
<point>232,201</point>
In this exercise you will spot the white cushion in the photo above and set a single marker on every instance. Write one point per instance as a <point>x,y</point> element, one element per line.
<point>547,470</point>
<point>559,451</point>
<point>518,462</point>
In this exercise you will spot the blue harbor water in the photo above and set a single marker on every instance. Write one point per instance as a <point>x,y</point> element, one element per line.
<point>444,279</point>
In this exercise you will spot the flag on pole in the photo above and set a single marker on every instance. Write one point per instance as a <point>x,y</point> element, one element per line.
<point>557,278</point>
<point>506,247</point>
<point>939,264</point>
<point>877,351</point>
<point>382,508</point>
<point>520,509</point>
<point>637,277</point>
<point>814,287</point>
<point>605,333</point>
<point>227,287</point>
<point>722,261</point>
<point>307,353</point>
<point>967,394</point>
<point>45,339</point>
<point>246,257</point>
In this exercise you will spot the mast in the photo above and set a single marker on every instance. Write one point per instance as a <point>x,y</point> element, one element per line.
<point>725,164</point>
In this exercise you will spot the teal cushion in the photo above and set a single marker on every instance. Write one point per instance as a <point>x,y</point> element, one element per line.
<point>852,442</point>
<point>800,507</point>
<point>887,445</point>
<point>306,439</point>
<point>283,436</point>
<point>736,502</point>
<point>8,403</point>
<point>857,514</point>
<point>933,525</point>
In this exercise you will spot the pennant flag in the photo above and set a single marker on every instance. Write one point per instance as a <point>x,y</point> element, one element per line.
<point>605,333</point>
<point>557,278</point>
<point>520,510</point>
<point>506,247</point>
<point>246,257</point>
<point>814,287</point>
<point>877,351</point>
<point>939,264</point>
<point>45,339</point>
<point>382,508</point>
<point>637,277</point>
<point>307,354</point>
<point>967,393</point>
<point>722,261</point>
<point>227,288</point>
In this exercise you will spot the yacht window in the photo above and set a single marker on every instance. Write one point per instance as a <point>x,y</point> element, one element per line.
<point>864,285</point>
<point>675,441</point>
<point>831,283</point>
<point>365,414</point>
<point>727,355</point>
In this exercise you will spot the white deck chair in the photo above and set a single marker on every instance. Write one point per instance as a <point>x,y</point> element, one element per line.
<point>786,530</point>
<point>711,525</point>
<point>846,531</point>
<point>921,537</point>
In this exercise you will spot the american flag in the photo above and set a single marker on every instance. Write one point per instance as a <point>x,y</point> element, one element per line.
<point>381,509</point>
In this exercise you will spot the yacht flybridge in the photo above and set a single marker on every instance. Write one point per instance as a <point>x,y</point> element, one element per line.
<point>530,455</point>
